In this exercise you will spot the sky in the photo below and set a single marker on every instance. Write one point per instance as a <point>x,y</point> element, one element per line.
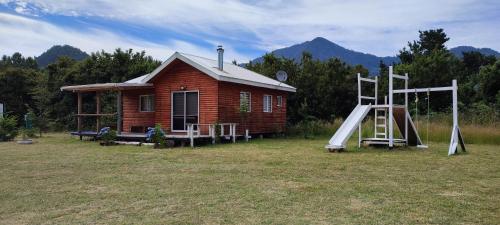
<point>246,29</point>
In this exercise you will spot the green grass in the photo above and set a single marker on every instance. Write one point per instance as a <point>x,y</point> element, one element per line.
<point>272,181</point>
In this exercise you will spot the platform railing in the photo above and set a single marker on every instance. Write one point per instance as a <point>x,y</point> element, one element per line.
<point>196,130</point>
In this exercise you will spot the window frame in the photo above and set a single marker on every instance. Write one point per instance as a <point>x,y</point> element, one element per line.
<point>152,102</point>
<point>279,101</point>
<point>249,100</point>
<point>264,105</point>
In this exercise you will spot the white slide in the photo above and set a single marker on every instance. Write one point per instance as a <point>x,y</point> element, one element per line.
<point>339,139</point>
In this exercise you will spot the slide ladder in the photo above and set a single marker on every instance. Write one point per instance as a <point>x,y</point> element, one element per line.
<point>339,139</point>
<point>380,123</point>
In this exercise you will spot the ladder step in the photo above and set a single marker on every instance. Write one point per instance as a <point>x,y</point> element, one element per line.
<point>381,117</point>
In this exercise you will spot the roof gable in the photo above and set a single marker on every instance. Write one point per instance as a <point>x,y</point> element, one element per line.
<point>231,73</point>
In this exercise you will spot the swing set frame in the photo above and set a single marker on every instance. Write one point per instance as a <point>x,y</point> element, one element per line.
<point>456,135</point>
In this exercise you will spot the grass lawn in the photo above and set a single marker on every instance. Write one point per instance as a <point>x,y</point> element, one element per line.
<point>284,181</point>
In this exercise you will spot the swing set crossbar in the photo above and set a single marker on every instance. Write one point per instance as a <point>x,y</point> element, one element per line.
<point>402,91</point>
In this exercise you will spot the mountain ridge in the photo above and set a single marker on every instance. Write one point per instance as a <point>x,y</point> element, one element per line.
<point>56,51</point>
<point>324,49</point>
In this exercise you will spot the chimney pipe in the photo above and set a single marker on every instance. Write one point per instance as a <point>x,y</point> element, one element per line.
<point>220,52</point>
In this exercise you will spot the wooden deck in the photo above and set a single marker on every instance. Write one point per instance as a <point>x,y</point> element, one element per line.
<point>194,132</point>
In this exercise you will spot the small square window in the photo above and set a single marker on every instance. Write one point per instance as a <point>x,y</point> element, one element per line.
<point>147,103</point>
<point>279,101</point>
<point>268,103</point>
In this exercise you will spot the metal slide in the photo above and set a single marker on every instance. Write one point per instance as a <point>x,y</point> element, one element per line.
<point>399,118</point>
<point>339,139</point>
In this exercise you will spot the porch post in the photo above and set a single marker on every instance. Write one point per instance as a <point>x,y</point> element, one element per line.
<point>98,110</point>
<point>79,111</point>
<point>119,112</point>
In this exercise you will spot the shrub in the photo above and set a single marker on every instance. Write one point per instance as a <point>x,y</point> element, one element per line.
<point>108,138</point>
<point>158,137</point>
<point>8,128</point>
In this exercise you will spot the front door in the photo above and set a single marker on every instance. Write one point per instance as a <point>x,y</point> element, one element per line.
<point>184,109</point>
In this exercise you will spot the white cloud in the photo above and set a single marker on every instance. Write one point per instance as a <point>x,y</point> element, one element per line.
<point>32,37</point>
<point>380,27</point>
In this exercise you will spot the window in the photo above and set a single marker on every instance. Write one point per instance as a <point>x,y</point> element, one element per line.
<point>147,103</point>
<point>279,101</point>
<point>245,102</point>
<point>268,103</point>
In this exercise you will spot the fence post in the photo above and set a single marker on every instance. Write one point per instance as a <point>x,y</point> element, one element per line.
<point>246,135</point>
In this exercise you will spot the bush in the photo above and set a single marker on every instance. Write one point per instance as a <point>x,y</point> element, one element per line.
<point>158,137</point>
<point>108,138</point>
<point>8,128</point>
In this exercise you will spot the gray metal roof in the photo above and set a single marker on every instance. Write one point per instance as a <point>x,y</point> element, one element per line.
<point>230,73</point>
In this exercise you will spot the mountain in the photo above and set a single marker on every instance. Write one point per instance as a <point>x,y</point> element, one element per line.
<point>57,51</point>
<point>457,51</point>
<point>323,49</point>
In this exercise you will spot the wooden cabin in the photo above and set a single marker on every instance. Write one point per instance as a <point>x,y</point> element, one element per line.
<point>192,90</point>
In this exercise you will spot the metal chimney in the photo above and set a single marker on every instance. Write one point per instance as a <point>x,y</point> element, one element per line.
<point>220,52</point>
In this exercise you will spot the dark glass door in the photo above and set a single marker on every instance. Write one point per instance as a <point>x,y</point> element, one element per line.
<point>184,109</point>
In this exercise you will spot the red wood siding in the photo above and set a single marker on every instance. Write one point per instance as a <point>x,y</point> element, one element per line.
<point>179,74</point>
<point>218,102</point>
<point>131,114</point>
<point>257,120</point>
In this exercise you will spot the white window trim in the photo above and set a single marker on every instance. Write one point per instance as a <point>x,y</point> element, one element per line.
<point>249,100</point>
<point>264,105</point>
<point>140,103</point>
<point>279,101</point>
<point>172,109</point>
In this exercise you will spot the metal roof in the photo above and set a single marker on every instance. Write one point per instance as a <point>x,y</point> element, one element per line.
<point>106,87</point>
<point>230,73</point>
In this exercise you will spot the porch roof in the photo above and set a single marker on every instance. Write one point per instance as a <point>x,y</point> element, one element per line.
<point>106,87</point>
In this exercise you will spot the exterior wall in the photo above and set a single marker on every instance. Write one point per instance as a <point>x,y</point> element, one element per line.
<point>179,74</point>
<point>131,114</point>
<point>257,120</point>
<point>218,102</point>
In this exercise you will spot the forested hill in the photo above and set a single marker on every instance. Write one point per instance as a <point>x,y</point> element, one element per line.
<point>56,51</point>
<point>323,49</point>
<point>459,50</point>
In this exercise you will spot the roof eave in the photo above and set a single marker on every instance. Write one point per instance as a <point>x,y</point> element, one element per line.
<point>257,84</point>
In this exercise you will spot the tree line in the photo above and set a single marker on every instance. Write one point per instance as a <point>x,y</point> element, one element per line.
<point>326,90</point>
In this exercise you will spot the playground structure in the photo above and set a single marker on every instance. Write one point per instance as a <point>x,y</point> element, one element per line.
<point>387,113</point>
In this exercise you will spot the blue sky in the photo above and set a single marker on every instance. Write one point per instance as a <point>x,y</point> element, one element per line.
<point>247,29</point>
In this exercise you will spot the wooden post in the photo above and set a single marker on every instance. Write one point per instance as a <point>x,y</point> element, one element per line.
<point>391,126</point>
<point>359,103</point>
<point>212,133</point>
<point>79,111</point>
<point>119,112</point>
<point>190,134</point>
<point>234,132</point>
<point>406,109</point>
<point>98,110</point>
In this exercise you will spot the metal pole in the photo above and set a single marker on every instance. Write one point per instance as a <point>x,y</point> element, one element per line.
<point>391,133</point>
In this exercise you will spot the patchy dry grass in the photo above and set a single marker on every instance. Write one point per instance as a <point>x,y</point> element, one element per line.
<point>284,181</point>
